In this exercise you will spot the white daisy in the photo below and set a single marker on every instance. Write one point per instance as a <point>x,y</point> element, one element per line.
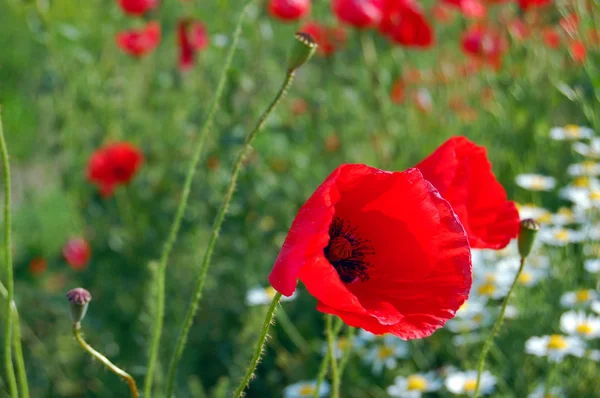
<point>594,355</point>
<point>566,216</point>
<point>540,392</point>
<point>578,323</point>
<point>555,347</point>
<point>264,295</point>
<point>559,236</point>
<point>591,151</point>
<point>386,355</point>
<point>465,382</point>
<point>570,132</point>
<point>530,210</point>
<point>536,182</point>
<point>592,265</point>
<point>578,298</point>
<point>595,306</point>
<point>490,285</point>
<point>414,385</point>
<point>587,168</point>
<point>305,389</point>
<point>530,276</point>
<point>538,261</point>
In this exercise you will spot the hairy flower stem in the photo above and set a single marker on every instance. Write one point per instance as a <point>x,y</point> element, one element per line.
<point>112,367</point>
<point>335,376</point>
<point>490,339</point>
<point>258,350</point>
<point>8,324</point>
<point>193,305</point>
<point>191,172</point>
<point>21,370</point>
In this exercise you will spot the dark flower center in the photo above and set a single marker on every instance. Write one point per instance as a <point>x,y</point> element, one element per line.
<point>346,251</point>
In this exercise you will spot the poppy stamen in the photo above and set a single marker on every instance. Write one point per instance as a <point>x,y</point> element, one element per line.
<point>346,251</point>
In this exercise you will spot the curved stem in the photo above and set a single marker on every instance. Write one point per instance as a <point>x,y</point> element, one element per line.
<point>191,312</point>
<point>335,378</point>
<point>258,350</point>
<point>21,370</point>
<point>490,339</point>
<point>112,367</point>
<point>8,325</point>
<point>191,172</point>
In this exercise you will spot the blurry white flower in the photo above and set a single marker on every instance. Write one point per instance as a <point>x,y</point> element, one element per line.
<point>592,265</point>
<point>584,197</point>
<point>461,340</point>
<point>594,355</point>
<point>555,346</point>
<point>578,298</point>
<point>470,316</point>
<point>340,346</point>
<point>532,211</point>
<point>570,132</point>
<point>490,285</point>
<point>540,392</point>
<point>587,168</point>
<point>578,323</point>
<point>511,312</point>
<point>538,261</point>
<point>559,236</point>
<point>386,355</point>
<point>536,182</point>
<point>591,151</point>
<point>530,276</point>
<point>264,295</point>
<point>595,306</point>
<point>414,385</point>
<point>566,216</point>
<point>305,389</point>
<point>465,382</point>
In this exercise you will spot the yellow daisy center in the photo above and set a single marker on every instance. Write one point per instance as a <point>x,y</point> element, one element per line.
<point>269,291</point>
<point>416,383</point>
<point>487,289</point>
<point>545,218</point>
<point>584,328</point>
<point>581,182</point>
<point>571,130</point>
<point>478,318</point>
<point>525,278</point>
<point>588,166</point>
<point>565,211</point>
<point>306,390</point>
<point>562,235</point>
<point>537,183</point>
<point>556,342</point>
<point>385,352</point>
<point>595,195</point>
<point>343,343</point>
<point>582,296</point>
<point>470,385</point>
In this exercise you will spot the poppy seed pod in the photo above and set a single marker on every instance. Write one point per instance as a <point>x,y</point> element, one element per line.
<point>303,48</point>
<point>79,298</point>
<point>528,231</point>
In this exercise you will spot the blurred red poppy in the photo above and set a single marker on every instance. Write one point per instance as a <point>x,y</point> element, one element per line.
<point>329,39</point>
<point>551,37</point>
<point>112,165</point>
<point>469,8</point>
<point>485,44</point>
<point>289,10</point>
<point>137,7</point>
<point>77,252</point>
<point>191,37</point>
<point>140,42</point>
<point>529,4</point>
<point>359,13</point>
<point>570,24</point>
<point>381,250</point>
<point>404,23</point>
<point>578,51</point>
<point>462,173</point>
<point>38,265</point>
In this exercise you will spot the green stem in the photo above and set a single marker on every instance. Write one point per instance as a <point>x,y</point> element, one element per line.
<point>348,351</point>
<point>325,361</point>
<point>335,377</point>
<point>111,366</point>
<point>8,325</point>
<point>191,172</point>
<point>490,339</point>
<point>260,343</point>
<point>191,312</point>
<point>21,370</point>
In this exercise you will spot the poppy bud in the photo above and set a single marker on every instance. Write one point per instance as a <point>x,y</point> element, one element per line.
<point>528,231</point>
<point>304,48</point>
<point>79,299</point>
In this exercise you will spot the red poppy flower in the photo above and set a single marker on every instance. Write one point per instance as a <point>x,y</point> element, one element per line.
<point>191,37</point>
<point>485,44</point>
<point>359,13</point>
<point>289,10</point>
<point>578,51</point>
<point>329,39</point>
<point>551,37</point>
<point>469,8</point>
<point>38,265</point>
<point>570,24</point>
<point>381,250</point>
<point>114,164</point>
<point>140,42</point>
<point>529,4</point>
<point>137,7</point>
<point>462,173</point>
<point>404,23</point>
<point>77,252</point>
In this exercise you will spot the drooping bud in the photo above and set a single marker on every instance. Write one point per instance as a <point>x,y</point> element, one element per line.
<point>304,47</point>
<point>79,299</point>
<point>527,233</point>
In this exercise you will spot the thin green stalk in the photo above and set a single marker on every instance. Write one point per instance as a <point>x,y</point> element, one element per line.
<point>8,325</point>
<point>335,377</point>
<point>258,350</point>
<point>21,370</point>
<point>346,355</point>
<point>325,362</point>
<point>111,366</point>
<point>490,339</point>
<point>191,172</point>
<point>192,308</point>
